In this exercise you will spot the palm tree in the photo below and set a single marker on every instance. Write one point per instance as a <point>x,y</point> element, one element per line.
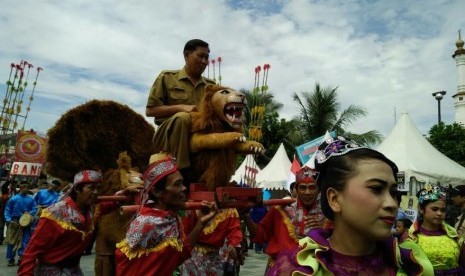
<point>319,112</point>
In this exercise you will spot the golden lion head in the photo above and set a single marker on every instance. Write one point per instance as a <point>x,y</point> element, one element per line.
<point>220,109</point>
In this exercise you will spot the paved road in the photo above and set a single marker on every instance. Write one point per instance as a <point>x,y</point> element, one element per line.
<point>254,264</point>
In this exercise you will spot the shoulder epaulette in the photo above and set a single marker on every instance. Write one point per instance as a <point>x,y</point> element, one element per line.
<point>209,80</point>
<point>169,72</point>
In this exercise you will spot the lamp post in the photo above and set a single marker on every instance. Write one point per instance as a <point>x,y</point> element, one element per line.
<point>438,96</point>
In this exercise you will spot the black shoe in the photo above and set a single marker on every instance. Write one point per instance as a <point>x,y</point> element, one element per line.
<point>11,262</point>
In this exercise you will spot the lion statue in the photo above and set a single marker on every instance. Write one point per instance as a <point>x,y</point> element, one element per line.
<point>217,136</point>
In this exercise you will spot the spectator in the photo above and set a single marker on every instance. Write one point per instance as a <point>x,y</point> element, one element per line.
<point>438,239</point>
<point>293,191</point>
<point>257,214</point>
<point>3,201</point>
<point>402,226</point>
<point>48,196</point>
<point>17,236</point>
<point>457,195</point>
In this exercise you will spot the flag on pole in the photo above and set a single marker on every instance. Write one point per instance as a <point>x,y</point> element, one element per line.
<point>311,162</point>
<point>295,167</point>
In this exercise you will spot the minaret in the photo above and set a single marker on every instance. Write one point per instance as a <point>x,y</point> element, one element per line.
<point>459,98</point>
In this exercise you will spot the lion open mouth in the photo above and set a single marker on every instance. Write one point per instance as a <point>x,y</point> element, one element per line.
<point>234,111</point>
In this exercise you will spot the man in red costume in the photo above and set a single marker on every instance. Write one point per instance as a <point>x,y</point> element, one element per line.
<point>282,227</point>
<point>223,230</point>
<point>65,229</point>
<point>155,243</point>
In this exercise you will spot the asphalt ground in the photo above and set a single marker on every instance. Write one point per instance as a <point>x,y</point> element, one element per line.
<point>255,264</point>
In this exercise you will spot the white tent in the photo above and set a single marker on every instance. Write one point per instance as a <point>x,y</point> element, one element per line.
<point>416,157</point>
<point>276,173</point>
<point>240,174</point>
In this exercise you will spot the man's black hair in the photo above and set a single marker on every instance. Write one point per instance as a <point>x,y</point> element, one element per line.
<point>192,44</point>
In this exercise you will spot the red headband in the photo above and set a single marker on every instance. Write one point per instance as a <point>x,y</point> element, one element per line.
<point>306,175</point>
<point>158,170</point>
<point>87,176</point>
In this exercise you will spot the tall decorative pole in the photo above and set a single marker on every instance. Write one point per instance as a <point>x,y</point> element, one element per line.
<point>31,98</point>
<point>14,97</point>
<point>257,116</point>
<point>22,91</point>
<point>9,85</point>
<point>7,100</point>
<point>219,70</point>
<point>213,65</point>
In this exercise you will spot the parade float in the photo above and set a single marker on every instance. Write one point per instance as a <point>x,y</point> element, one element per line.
<point>95,134</point>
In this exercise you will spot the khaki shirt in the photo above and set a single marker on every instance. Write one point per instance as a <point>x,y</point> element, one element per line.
<point>174,87</point>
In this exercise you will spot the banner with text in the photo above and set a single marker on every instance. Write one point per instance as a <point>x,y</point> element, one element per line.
<point>409,204</point>
<point>26,169</point>
<point>305,151</point>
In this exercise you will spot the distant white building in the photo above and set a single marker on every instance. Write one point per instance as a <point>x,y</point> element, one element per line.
<point>459,98</point>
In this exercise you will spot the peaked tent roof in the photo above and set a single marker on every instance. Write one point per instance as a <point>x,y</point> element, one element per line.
<point>240,173</point>
<point>276,173</point>
<point>414,155</point>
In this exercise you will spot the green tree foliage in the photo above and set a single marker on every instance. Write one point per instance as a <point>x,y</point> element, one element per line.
<point>275,130</point>
<point>450,140</point>
<point>320,112</point>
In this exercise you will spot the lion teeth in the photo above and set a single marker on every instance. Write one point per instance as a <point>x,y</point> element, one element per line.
<point>234,112</point>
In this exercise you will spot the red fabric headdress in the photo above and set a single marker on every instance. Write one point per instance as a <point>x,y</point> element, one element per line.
<point>306,175</point>
<point>161,165</point>
<point>84,177</point>
<point>87,176</point>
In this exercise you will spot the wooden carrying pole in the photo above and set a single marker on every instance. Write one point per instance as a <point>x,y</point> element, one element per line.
<point>128,209</point>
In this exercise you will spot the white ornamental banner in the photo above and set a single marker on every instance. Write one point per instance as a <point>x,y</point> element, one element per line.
<point>26,169</point>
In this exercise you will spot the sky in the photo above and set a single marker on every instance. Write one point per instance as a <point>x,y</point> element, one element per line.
<point>385,56</point>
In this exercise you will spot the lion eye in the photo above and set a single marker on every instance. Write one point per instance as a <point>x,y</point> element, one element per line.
<point>224,92</point>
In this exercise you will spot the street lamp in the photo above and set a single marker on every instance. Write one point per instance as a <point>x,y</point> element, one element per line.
<point>438,96</point>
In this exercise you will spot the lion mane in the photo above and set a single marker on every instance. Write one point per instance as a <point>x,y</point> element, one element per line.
<point>206,120</point>
<point>216,139</point>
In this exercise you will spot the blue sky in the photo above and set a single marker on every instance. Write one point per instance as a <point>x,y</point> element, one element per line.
<point>383,55</point>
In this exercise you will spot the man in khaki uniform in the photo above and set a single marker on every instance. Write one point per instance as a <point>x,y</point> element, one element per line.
<point>173,95</point>
<point>457,195</point>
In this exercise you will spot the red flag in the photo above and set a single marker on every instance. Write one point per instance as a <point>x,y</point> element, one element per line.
<point>295,167</point>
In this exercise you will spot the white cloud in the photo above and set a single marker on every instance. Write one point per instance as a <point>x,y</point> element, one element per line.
<point>383,55</point>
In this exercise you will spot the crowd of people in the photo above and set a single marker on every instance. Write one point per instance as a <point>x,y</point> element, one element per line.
<point>344,220</point>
